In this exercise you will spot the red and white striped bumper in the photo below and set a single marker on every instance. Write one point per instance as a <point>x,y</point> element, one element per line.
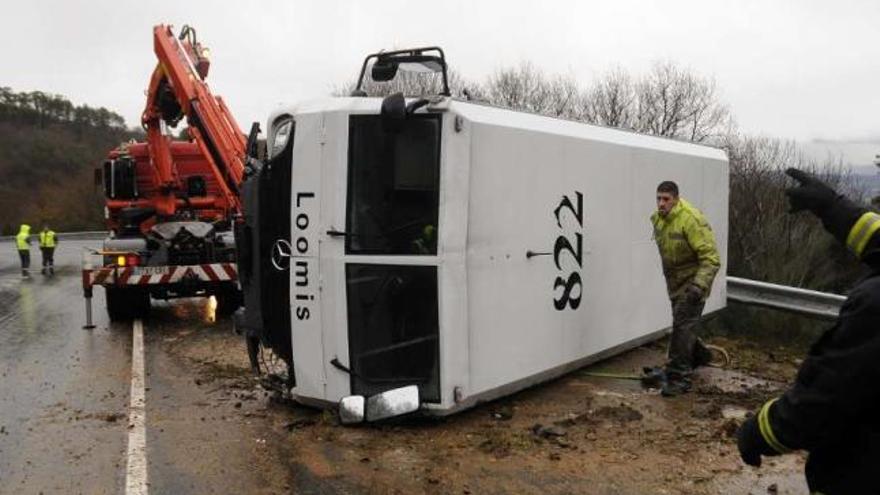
<point>160,275</point>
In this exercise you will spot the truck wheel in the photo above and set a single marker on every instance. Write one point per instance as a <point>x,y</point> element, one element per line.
<point>228,300</point>
<point>126,304</point>
<point>140,303</point>
<point>117,307</point>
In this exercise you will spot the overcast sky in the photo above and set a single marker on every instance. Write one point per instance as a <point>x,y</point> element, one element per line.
<point>797,69</point>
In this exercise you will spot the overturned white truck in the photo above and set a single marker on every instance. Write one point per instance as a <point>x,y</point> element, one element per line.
<point>468,250</point>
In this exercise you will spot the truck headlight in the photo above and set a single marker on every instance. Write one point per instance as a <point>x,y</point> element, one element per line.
<point>280,137</point>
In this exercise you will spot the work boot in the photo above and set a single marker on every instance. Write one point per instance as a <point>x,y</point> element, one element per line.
<point>25,274</point>
<point>653,376</point>
<point>677,383</point>
<point>702,355</point>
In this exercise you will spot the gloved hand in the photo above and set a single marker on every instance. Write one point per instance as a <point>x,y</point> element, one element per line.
<point>751,444</point>
<point>693,293</point>
<point>811,193</point>
<point>838,214</point>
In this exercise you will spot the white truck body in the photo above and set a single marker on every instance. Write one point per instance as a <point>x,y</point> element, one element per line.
<point>544,259</point>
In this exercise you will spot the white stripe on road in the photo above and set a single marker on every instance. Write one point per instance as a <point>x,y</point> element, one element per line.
<point>136,469</point>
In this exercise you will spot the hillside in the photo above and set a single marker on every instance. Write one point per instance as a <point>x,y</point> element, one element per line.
<point>49,149</point>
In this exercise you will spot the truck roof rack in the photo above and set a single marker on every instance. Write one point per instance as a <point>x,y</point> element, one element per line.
<point>387,64</point>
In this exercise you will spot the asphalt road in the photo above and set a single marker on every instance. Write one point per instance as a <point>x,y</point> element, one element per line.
<point>64,396</point>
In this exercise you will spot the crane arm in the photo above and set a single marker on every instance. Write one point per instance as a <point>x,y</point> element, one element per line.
<point>177,90</point>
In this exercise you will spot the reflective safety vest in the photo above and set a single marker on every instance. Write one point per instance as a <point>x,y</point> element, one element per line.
<point>47,239</point>
<point>22,239</point>
<point>687,249</point>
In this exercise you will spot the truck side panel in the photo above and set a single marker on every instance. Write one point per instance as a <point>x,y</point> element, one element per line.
<point>596,282</point>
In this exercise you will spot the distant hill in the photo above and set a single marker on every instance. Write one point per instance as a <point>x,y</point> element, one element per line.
<point>49,148</point>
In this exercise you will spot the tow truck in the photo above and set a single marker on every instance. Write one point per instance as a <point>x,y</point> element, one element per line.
<point>171,202</point>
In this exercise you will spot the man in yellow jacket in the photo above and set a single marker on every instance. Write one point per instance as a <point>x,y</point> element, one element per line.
<point>48,241</point>
<point>690,262</point>
<point>23,244</point>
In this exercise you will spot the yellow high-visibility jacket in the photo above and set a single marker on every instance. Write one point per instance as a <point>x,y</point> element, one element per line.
<point>22,239</point>
<point>47,238</point>
<point>687,249</point>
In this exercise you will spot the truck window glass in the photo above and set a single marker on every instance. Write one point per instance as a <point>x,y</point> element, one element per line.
<point>393,186</point>
<point>393,328</point>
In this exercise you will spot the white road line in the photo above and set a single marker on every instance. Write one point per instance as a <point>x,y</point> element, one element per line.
<point>136,469</point>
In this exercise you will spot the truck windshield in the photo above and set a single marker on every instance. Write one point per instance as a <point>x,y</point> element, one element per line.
<point>393,186</point>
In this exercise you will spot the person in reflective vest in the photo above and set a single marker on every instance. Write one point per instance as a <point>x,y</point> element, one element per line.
<point>690,261</point>
<point>47,249</point>
<point>23,244</point>
<point>831,410</point>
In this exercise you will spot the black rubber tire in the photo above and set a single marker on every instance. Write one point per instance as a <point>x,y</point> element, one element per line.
<point>228,300</point>
<point>117,309</point>
<point>140,302</point>
<point>127,303</point>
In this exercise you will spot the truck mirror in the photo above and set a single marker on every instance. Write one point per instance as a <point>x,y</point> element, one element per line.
<point>392,403</point>
<point>351,409</point>
<point>383,70</point>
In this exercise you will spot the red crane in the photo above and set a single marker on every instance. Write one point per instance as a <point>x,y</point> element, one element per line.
<point>172,202</point>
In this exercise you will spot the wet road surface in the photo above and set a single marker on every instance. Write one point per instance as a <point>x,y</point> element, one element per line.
<point>63,390</point>
<point>64,395</point>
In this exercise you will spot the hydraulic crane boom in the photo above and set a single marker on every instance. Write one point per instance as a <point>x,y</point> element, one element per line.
<point>171,203</point>
<point>178,89</point>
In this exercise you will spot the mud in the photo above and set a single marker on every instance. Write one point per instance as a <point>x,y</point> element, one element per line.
<point>578,434</point>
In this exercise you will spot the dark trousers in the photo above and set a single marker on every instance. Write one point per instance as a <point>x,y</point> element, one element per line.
<point>686,315</point>
<point>48,256</point>
<point>25,259</point>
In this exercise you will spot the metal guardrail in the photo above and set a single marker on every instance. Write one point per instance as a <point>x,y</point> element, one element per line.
<point>87,235</point>
<point>90,236</point>
<point>782,297</point>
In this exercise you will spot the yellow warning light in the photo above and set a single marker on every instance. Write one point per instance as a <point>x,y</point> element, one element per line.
<point>120,260</point>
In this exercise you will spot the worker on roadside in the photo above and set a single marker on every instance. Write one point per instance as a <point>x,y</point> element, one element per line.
<point>23,244</point>
<point>47,250</point>
<point>831,410</point>
<point>690,261</point>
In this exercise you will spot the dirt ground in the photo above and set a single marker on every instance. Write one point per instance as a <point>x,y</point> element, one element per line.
<point>582,433</point>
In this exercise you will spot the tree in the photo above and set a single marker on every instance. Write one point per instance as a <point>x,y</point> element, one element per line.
<point>611,101</point>
<point>767,243</point>
<point>677,103</point>
<point>762,232</point>
<point>667,101</point>
<point>49,150</point>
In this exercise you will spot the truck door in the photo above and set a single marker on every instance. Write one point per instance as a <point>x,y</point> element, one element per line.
<point>389,261</point>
